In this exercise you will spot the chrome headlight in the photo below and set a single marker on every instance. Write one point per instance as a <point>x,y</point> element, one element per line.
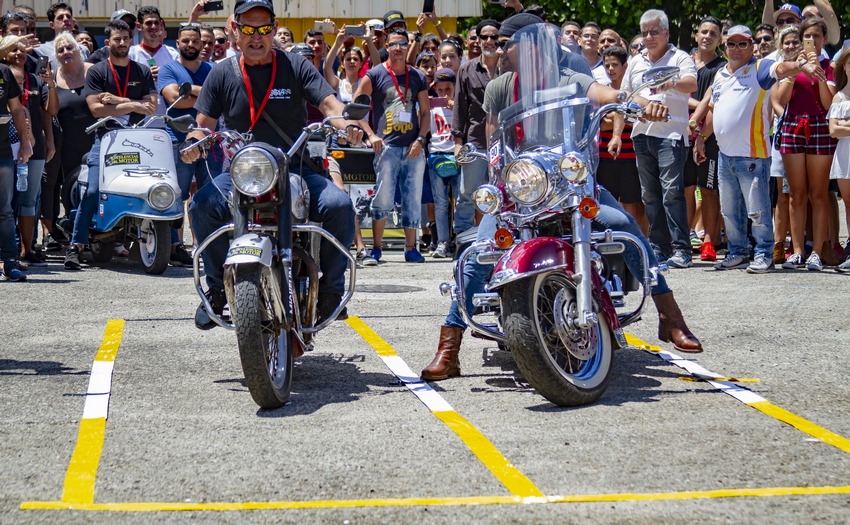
<point>488,199</point>
<point>161,196</point>
<point>253,171</point>
<point>526,182</point>
<point>574,167</point>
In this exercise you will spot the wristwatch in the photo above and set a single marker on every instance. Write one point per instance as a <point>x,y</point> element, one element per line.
<point>802,63</point>
<point>421,140</point>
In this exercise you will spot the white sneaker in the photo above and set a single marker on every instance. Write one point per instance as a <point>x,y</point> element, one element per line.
<point>793,262</point>
<point>731,262</point>
<point>814,263</point>
<point>441,252</point>
<point>761,264</point>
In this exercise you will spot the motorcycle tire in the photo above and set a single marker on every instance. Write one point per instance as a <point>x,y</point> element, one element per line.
<point>266,355</point>
<point>537,341</point>
<point>102,252</point>
<point>70,197</point>
<point>154,245</point>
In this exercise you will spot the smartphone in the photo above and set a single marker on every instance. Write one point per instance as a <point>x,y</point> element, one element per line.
<point>41,66</point>
<point>327,28</point>
<point>439,102</point>
<point>428,6</point>
<point>355,31</point>
<point>213,5</point>
<point>500,2</point>
<point>808,45</point>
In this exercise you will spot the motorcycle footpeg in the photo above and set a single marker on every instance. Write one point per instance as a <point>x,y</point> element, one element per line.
<point>610,248</point>
<point>483,300</point>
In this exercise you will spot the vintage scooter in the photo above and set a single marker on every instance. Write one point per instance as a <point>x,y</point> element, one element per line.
<point>140,198</point>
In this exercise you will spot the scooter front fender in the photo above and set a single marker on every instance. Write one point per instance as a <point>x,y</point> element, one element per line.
<point>250,248</point>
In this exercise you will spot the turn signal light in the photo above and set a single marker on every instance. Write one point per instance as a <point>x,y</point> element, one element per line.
<point>588,208</point>
<point>504,239</point>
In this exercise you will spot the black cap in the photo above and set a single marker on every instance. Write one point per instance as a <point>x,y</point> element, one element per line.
<point>243,6</point>
<point>303,50</point>
<point>393,17</point>
<point>488,22</point>
<point>517,22</point>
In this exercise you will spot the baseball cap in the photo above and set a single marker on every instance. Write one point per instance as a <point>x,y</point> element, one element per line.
<point>424,54</point>
<point>739,31</point>
<point>788,8</point>
<point>303,50</point>
<point>243,6</point>
<point>376,23</point>
<point>121,13</point>
<point>393,17</point>
<point>445,75</point>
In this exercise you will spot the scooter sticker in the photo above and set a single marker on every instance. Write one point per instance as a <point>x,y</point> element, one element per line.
<point>245,250</point>
<point>117,159</point>
<point>137,146</point>
<point>495,153</point>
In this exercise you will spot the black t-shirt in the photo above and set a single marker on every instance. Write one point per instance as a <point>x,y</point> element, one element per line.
<point>74,116</point>
<point>705,76</point>
<point>36,100</point>
<point>296,83</point>
<point>9,88</point>
<point>99,55</point>
<point>100,79</point>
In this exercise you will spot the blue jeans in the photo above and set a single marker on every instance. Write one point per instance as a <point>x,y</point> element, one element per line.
<point>472,176</point>
<point>88,204</point>
<point>8,247</point>
<point>329,205</point>
<point>440,190</point>
<point>611,215</point>
<point>744,192</point>
<point>393,167</point>
<point>661,165</point>
<point>28,200</point>
<point>197,170</point>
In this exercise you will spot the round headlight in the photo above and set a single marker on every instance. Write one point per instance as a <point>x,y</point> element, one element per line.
<point>573,167</point>
<point>526,182</point>
<point>254,171</point>
<point>161,196</point>
<point>488,199</point>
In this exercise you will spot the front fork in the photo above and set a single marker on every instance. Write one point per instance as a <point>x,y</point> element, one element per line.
<point>582,276</point>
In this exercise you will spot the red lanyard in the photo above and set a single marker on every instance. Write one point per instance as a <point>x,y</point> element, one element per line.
<point>520,134</point>
<point>121,93</point>
<point>395,81</point>
<point>255,115</point>
<point>25,96</point>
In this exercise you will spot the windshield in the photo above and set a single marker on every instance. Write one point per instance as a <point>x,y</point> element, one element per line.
<point>549,106</point>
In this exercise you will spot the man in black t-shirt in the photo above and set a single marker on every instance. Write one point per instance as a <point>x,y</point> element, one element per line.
<point>241,89</point>
<point>120,88</point>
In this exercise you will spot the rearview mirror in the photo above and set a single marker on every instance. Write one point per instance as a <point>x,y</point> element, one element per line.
<point>358,108</point>
<point>183,123</point>
<point>185,89</point>
<point>658,76</point>
<point>468,153</point>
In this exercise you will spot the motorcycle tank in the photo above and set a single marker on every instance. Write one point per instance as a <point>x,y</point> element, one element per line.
<point>125,149</point>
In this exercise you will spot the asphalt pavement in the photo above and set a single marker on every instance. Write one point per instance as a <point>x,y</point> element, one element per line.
<point>185,442</point>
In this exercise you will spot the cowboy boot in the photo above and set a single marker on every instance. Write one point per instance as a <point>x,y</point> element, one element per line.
<point>446,363</point>
<point>672,327</point>
<point>779,252</point>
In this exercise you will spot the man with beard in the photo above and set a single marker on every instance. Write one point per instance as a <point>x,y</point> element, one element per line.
<point>188,68</point>
<point>222,45</point>
<point>102,53</point>
<point>116,87</point>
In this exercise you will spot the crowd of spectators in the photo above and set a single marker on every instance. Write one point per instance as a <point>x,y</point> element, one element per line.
<point>427,89</point>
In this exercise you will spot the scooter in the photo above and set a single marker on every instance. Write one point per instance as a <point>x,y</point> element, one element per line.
<point>139,194</point>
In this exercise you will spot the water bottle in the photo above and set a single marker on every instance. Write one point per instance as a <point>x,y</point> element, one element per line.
<point>22,184</point>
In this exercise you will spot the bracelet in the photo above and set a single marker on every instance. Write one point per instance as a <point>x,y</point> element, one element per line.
<point>703,137</point>
<point>438,22</point>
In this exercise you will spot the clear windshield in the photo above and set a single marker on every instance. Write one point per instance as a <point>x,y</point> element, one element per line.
<point>550,109</point>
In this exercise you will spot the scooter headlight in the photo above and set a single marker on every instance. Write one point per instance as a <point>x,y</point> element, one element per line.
<point>254,171</point>
<point>161,196</point>
<point>488,199</point>
<point>526,182</point>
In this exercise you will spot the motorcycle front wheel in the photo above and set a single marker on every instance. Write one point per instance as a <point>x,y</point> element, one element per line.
<point>567,365</point>
<point>264,349</point>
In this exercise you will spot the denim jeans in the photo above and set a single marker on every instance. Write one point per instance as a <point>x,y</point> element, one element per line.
<point>475,275</point>
<point>202,171</point>
<point>661,164</point>
<point>8,246</point>
<point>88,204</point>
<point>393,167</point>
<point>440,190</point>
<point>28,200</point>
<point>472,176</point>
<point>744,193</point>
<point>329,205</point>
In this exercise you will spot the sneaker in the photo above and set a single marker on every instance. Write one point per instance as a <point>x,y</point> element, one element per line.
<point>51,244</point>
<point>679,260</point>
<point>424,241</point>
<point>327,304</point>
<point>731,262</point>
<point>376,254</point>
<point>217,300</point>
<point>843,267</point>
<point>707,253</point>
<point>11,272</point>
<point>792,262</point>
<point>364,258</point>
<point>441,252</point>
<point>72,258</point>
<point>696,242</point>
<point>814,263</point>
<point>413,255</point>
<point>761,264</point>
<point>33,259</point>
<point>180,257</point>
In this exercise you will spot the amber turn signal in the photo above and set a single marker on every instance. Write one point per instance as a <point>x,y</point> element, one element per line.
<point>588,208</point>
<point>504,239</point>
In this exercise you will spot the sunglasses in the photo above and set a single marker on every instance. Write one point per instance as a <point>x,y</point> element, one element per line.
<point>403,45</point>
<point>472,38</point>
<point>220,40</point>
<point>489,37</point>
<point>505,44</point>
<point>250,30</point>
<point>737,45</point>
<point>785,21</point>
<point>652,32</point>
<point>763,38</point>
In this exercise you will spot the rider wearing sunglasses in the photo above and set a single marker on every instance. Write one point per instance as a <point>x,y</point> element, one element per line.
<point>764,41</point>
<point>264,90</point>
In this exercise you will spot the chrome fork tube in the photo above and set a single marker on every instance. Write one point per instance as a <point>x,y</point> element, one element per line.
<point>585,316</point>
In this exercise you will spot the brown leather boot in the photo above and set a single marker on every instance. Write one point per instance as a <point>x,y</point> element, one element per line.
<point>446,363</point>
<point>779,252</point>
<point>672,327</point>
<point>827,255</point>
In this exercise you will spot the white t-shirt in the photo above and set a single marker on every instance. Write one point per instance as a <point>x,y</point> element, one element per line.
<point>601,76</point>
<point>442,140</point>
<point>163,55</point>
<point>675,100</point>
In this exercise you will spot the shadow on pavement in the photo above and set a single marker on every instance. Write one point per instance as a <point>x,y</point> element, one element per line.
<point>31,368</point>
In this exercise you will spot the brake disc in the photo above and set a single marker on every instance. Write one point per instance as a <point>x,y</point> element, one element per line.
<point>580,343</point>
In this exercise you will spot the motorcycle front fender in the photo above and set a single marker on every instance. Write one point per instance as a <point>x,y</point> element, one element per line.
<point>250,248</point>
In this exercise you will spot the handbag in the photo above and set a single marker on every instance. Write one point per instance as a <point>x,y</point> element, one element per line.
<point>444,165</point>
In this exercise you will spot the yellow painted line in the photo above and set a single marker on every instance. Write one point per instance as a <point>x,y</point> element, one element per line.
<point>694,379</point>
<point>514,480</point>
<point>748,397</point>
<point>82,470</point>
<point>435,502</point>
